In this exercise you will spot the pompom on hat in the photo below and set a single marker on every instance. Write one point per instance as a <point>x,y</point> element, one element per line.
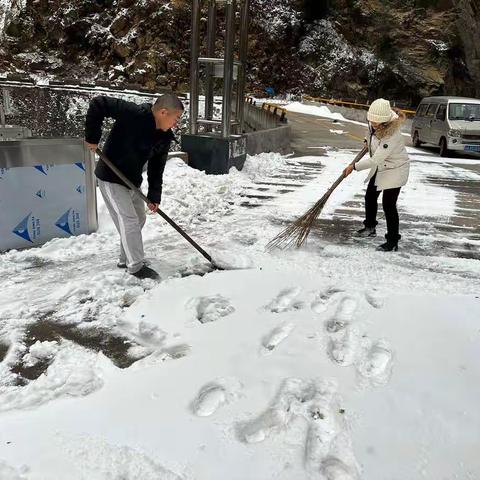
<point>380,111</point>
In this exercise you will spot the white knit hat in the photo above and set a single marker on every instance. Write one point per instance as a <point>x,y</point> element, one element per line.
<point>380,111</point>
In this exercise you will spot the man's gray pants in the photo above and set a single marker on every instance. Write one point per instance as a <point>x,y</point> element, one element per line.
<point>127,210</point>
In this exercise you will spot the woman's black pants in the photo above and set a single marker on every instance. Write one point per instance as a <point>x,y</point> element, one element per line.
<point>389,202</point>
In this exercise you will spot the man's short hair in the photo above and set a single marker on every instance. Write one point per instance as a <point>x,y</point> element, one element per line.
<point>169,101</point>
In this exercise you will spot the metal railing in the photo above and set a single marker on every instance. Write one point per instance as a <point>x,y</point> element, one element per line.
<point>354,104</point>
<point>267,115</point>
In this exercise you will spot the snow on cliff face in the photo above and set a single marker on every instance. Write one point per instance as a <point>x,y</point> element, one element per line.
<point>334,55</point>
<point>9,9</point>
<point>277,18</point>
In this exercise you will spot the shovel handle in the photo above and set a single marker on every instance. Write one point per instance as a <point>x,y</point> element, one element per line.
<point>147,201</point>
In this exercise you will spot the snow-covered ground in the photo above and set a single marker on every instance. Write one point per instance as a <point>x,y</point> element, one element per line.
<point>333,362</point>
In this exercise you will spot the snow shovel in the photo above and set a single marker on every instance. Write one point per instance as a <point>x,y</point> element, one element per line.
<point>162,214</point>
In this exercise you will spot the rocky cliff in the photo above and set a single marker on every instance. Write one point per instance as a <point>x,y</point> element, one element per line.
<point>355,49</point>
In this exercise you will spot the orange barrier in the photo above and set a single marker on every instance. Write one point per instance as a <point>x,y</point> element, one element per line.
<point>361,106</point>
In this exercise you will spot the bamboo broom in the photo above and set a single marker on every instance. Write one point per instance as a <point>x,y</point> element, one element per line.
<point>297,232</point>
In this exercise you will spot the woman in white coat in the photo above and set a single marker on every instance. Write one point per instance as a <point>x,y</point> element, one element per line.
<point>389,169</point>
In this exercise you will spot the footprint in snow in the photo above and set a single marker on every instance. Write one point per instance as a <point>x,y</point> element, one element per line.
<point>334,469</point>
<point>375,299</point>
<point>211,309</point>
<point>343,351</point>
<point>317,402</point>
<point>278,414</point>
<point>215,394</point>
<point>276,336</point>
<point>321,302</point>
<point>343,315</point>
<point>285,301</point>
<point>376,364</point>
<point>323,428</point>
<point>209,399</point>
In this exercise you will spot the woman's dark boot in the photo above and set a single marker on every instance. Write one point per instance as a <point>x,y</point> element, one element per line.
<point>366,232</point>
<point>388,247</point>
<point>391,245</point>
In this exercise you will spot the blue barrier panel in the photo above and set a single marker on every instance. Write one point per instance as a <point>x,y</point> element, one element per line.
<point>47,190</point>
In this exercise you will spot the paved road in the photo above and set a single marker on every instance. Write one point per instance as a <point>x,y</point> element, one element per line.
<point>457,179</point>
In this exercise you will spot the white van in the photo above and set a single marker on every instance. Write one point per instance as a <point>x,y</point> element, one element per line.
<point>452,123</point>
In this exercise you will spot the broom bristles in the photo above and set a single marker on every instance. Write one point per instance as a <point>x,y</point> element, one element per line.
<point>297,232</point>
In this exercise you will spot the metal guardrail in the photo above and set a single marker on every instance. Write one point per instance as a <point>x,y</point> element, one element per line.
<point>359,106</point>
<point>272,108</point>
<point>73,84</point>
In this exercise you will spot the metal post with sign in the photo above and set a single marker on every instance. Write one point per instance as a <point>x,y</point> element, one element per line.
<point>217,144</point>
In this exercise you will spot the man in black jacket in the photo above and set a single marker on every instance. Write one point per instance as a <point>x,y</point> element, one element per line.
<point>140,134</point>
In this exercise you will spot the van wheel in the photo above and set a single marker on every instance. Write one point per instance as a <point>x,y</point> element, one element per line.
<point>416,140</point>
<point>444,152</point>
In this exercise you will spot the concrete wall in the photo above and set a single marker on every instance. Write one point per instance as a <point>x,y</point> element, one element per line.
<point>269,133</point>
<point>272,140</point>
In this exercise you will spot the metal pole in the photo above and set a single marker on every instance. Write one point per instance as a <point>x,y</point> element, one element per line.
<point>228,67</point>
<point>195,53</point>
<point>244,14</point>
<point>211,37</point>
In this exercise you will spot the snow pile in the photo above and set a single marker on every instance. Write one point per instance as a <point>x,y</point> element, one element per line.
<point>263,165</point>
<point>74,372</point>
<point>192,197</point>
<point>322,111</point>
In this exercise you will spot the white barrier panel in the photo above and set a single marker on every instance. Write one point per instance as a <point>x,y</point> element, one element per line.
<point>47,190</point>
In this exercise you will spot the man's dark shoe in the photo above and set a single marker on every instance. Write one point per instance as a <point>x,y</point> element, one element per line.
<point>146,272</point>
<point>121,265</point>
<point>366,232</point>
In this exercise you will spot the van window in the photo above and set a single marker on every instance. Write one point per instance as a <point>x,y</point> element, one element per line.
<point>431,110</point>
<point>422,110</point>
<point>464,111</point>
<point>442,112</point>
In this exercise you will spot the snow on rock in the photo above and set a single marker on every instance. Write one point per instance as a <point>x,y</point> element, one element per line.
<point>9,10</point>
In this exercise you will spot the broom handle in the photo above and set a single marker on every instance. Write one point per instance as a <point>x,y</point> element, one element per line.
<point>147,201</point>
<point>339,180</point>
